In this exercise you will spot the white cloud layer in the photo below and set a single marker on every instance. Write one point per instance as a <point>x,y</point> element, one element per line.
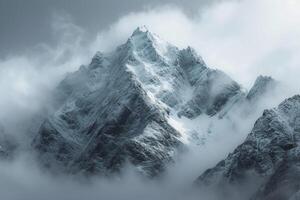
<point>243,38</point>
<point>26,80</point>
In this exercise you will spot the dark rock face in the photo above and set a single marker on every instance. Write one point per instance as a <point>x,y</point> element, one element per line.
<point>106,118</point>
<point>270,152</point>
<point>262,86</point>
<point>107,128</point>
<point>121,107</point>
<point>284,183</point>
<point>214,90</point>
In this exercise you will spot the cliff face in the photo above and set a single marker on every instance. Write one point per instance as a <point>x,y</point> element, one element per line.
<point>131,105</point>
<point>120,108</point>
<point>269,153</point>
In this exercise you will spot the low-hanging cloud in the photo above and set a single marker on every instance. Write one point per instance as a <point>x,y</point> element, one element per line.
<point>27,80</point>
<point>243,38</point>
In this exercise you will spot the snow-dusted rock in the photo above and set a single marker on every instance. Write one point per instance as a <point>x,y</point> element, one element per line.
<point>213,90</point>
<point>270,153</point>
<point>115,111</point>
<point>130,105</point>
<point>262,86</point>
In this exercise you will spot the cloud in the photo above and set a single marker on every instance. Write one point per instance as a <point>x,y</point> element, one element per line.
<point>27,79</point>
<point>244,38</point>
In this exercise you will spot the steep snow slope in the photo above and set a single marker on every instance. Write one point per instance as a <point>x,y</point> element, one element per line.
<point>270,153</point>
<point>138,104</point>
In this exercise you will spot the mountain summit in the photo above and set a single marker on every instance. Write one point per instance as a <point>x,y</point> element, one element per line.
<point>127,106</point>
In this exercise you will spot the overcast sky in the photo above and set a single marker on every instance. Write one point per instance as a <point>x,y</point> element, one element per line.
<point>244,38</point>
<point>41,40</point>
<point>24,24</point>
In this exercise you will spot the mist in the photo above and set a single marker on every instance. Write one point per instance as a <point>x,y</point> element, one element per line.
<point>243,38</point>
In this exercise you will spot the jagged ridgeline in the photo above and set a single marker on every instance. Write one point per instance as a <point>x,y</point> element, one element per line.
<point>128,106</point>
<point>268,160</point>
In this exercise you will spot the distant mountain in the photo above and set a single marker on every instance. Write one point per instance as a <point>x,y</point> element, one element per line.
<point>268,159</point>
<point>128,106</point>
<point>262,86</point>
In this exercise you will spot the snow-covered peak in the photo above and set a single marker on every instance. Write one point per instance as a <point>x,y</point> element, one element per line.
<point>147,45</point>
<point>142,34</point>
<point>138,103</point>
<point>140,30</point>
<point>262,85</point>
<point>263,79</point>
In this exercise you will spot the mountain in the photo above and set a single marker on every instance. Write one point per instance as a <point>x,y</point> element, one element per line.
<point>130,106</point>
<point>262,86</point>
<point>268,159</point>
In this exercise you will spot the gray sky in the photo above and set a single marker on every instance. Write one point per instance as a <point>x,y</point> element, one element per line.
<point>244,38</point>
<point>27,23</point>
